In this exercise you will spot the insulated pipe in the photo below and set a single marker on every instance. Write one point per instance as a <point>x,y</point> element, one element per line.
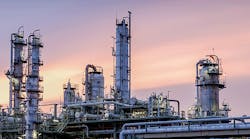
<point>87,79</point>
<point>178,104</point>
<point>124,131</point>
<point>29,41</point>
<point>197,77</point>
<point>10,96</point>
<point>197,89</point>
<point>187,129</point>
<point>87,115</point>
<point>185,121</point>
<point>97,103</point>
<point>11,72</point>
<point>11,52</point>
<point>129,35</point>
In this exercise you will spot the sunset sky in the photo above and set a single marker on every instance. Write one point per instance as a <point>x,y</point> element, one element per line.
<point>168,38</point>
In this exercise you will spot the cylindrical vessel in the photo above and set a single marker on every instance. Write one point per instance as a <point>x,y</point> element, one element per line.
<point>33,86</point>
<point>94,83</point>
<point>69,94</point>
<point>16,71</point>
<point>208,85</point>
<point>122,62</point>
<point>96,80</point>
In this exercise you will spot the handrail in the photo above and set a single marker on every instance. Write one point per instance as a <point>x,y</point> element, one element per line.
<point>148,127</point>
<point>187,121</point>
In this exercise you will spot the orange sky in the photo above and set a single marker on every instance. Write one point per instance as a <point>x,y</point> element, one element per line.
<point>169,37</point>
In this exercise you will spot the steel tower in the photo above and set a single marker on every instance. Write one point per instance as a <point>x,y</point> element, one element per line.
<point>17,71</point>
<point>123,59</point>
<point>33,86</point>
<point>208,83</point>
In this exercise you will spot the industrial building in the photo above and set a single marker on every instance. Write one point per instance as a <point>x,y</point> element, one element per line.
<point>92,115</point>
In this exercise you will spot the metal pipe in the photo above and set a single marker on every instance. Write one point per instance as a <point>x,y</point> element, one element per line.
<point>97,103</point>
<point>108,131</point>
<point>48,104</point>
<point>178,104</point>
<point>29,42</point>
<point>197,89</point>
<point>11,51</point>
<point>160,130</point>
<point>186,121</point>
<point>10,72</point>
<point>55,111</point>
<point>87,115</point>
<point>178,129</point>
<point>10,96</point>
<point>129,36</point>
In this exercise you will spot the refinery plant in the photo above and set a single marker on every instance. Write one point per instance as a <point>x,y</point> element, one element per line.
<point>92,115</point>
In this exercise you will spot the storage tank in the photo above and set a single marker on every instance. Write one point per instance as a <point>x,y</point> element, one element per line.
<point>208,72</point>
<point>94,83</point>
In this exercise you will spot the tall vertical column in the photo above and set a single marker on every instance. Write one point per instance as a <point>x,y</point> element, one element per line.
<point>94,83</point>
<point>33,87</point>
<point>208,84</point>
<point>69,94</point>
<point>123,60</point>
<point>16,72</point>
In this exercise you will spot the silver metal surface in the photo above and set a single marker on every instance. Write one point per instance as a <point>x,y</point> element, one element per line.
<point>187,128</point>
<point>94,83</point>
<point>33,86</point>
<point>208,84</point>
<point>17,71</point>
<point>123,61</point>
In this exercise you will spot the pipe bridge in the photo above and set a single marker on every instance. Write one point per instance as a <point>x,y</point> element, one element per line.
<point>194,128</point>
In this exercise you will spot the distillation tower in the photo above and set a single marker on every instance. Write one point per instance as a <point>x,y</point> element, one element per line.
<point>94,83</point>
<point>97,116</point>
<point>123,59</point>
<point>33,86</point>
<point>70,94</point>
<point>16,72</point>
<point>208,83</point>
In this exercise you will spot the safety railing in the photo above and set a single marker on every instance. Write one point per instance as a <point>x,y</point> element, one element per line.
<point>185,125</point>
